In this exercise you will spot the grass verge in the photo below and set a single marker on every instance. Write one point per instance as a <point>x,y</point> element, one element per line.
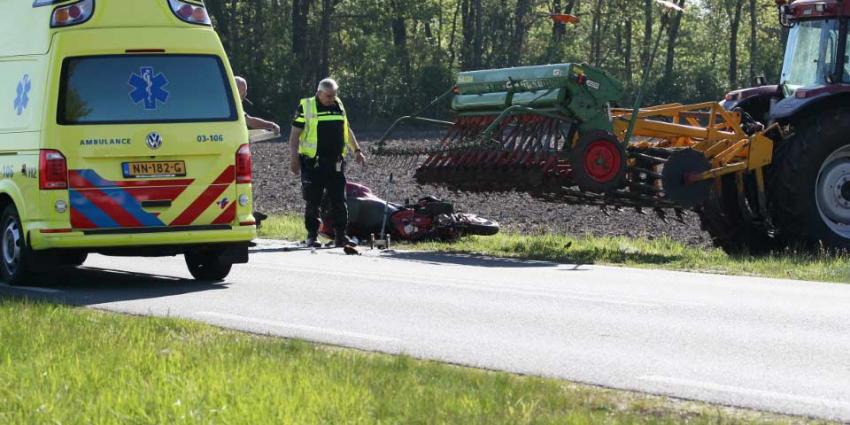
<point>72,366</point>
<point>658,253</point>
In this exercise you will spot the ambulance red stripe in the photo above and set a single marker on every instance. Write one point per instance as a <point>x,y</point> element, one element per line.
<point>112,208</point>
<point>227,216</point>
<point>206,198</point>
<point>79,221</point>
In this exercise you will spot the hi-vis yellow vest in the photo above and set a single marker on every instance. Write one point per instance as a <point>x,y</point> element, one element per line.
<point>309,139</point>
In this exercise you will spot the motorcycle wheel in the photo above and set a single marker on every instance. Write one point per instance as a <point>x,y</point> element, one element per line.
<point>475,225</point>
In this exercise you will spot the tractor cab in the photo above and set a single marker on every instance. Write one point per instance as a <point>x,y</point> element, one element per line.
<point>816,53</point>
<point>816,68</point>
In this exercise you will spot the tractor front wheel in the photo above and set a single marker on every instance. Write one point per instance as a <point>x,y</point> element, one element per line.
<point>809,186</point>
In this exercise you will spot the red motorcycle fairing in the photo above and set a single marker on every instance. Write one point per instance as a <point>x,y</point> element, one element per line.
<point>410,225</point>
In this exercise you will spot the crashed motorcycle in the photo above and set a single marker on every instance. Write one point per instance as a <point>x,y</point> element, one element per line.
<point>429,218</point>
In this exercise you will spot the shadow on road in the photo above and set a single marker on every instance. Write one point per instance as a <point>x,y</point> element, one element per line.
<point>574,257</point>
<point>91,285</point>
<point>465,259</point>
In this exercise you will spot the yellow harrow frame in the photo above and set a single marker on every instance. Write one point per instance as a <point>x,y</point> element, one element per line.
<point>706,128</point>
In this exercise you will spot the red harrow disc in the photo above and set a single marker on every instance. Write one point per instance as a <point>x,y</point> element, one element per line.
<point>599,163</point>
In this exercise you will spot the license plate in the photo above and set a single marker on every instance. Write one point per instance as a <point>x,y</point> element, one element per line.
<point>143,169</point>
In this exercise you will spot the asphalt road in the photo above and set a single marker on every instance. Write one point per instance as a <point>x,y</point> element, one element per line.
<point>774,345</point>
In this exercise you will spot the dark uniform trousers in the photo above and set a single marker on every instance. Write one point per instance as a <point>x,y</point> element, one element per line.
<point>317,177</point>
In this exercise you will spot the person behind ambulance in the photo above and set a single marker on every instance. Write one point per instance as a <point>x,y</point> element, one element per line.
<point>253,122</point>
<point>318,144</point>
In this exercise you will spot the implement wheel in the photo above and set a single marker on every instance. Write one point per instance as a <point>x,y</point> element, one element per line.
<point>599,162</point>
<point>728,221</point>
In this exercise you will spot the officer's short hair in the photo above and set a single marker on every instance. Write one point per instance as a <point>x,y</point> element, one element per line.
<point>328,84</point>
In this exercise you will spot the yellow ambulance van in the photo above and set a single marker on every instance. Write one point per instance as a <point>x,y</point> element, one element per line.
<point>121,133</point>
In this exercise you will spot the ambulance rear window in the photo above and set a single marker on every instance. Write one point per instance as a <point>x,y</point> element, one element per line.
<point>144,89</point>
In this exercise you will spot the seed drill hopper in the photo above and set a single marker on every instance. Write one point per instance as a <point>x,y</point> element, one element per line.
<point>552,131</point>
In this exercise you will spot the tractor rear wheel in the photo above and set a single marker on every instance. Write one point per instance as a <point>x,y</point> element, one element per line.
<point>809,182</point>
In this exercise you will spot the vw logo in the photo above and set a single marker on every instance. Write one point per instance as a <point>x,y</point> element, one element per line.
<point>154,140</point>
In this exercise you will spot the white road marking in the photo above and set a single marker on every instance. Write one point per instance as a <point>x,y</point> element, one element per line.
<point>306,328</point>
<point>711,386</point>
<point>32,289</point>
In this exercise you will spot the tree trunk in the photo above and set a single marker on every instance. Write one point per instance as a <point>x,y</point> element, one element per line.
<point>300,10</point>
<point>323,68</point>
<point>468,30</point>
<point>452,51</point>
<point>259,30</point>
<point>672,36</point>
<point>596,34</point>
<point>628,53</point>
<point>478,40</point>
<point>753,40</point>
<point>734,26</point>
<point>400,38</point>
<point>472,37</point>
<point>243,57</point>
<point>523,8</point>
<point>557,29</point>
<point>647,31</point>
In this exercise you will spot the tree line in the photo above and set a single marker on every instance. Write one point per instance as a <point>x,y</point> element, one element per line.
<point>392,57</point>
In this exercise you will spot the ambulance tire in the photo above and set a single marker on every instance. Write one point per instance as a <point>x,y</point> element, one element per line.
<point>73,258</point>
<point>207,266</point>
<point>16,257</point>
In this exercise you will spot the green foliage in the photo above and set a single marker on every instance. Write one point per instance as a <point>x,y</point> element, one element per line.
<point>382,79</point>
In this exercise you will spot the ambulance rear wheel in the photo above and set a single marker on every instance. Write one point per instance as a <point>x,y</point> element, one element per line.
<point>73,258</point>
<point>16,255</point>
<point>207,266</point>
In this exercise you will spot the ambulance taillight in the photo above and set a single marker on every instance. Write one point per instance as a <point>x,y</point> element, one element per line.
<point>52,170</point>
<point>243,164</point>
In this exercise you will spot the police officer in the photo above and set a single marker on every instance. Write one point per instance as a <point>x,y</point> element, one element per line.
<point>318,144</point>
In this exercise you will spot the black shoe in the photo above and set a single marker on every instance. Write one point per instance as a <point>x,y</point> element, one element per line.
<point>312,242</point>
<point>342,241</point>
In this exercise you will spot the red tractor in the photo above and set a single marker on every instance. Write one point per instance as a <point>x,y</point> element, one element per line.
<point>808,182</point>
